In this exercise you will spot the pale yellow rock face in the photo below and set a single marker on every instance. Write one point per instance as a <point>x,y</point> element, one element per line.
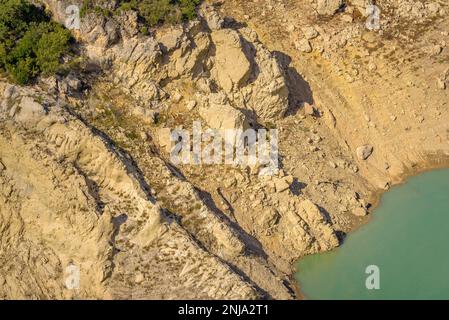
<point>231,65</point>
<point>218,114</point>
<point>383,89</point>
<point>68,198</point>
<point>87,180</point>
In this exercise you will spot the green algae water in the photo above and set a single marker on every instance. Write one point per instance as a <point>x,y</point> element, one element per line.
<point>407,238</point>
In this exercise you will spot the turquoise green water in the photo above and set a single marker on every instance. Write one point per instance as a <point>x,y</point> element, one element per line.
<point>407,238</point>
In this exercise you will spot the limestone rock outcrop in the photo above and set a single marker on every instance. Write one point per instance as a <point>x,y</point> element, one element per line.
<point>328,7</point>
<point>74,200</point>
<point>363,152</point>
<point>219,114</point>
<point>94,171</point>
<point>233,59</point>
<point>231,67</point>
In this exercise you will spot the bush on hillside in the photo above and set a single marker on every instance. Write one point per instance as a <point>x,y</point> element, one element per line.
<point>30,43</point>
<point>162,11</point>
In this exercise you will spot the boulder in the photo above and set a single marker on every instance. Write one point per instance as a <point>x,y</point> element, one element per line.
<point>361,5</point>
<point>363,152</point>
<point>219,114</point>
<point>441,84</point>
<point>100,33</point>
<point>231,67</point>
<point>328,7</point>
<point>319,227</point>
<point>359,212</point>
<point>50,84</point>
<point>164,139</point>
<point>171,39</point>
<point>139,277</point>
<point>191,105</point>
<point>9,91</point>
<point>29,110</point>
<point>268,94</point>
<point>309,109</point>
<point>269,219</point>
<point>213,19</point>
<point>282,184</point>
<point>304,45</point>
<point>310,32</point>
<point>443,80</point>
<point>70,85</point>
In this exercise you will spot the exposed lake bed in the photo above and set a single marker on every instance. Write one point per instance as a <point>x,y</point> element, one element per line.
<point>404,248</point>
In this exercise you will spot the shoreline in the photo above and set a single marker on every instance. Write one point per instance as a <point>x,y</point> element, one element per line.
<point>431,164</point>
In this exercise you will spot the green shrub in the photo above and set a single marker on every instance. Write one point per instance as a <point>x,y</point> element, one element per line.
<point>30,44</point>
<point>151,12</point>
<point>156,12</point>
<point>144,30</point>
<point>49,49</point>
<point>188,8</point>
<point>85,8</point>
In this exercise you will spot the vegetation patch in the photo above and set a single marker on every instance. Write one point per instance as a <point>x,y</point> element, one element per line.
<point>30,43</point>
<point>151,12</point>
<point>163,11</point>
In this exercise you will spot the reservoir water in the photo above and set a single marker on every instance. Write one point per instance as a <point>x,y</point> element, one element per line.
<point>406,243</point>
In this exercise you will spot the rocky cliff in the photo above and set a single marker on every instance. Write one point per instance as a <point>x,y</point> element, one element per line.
<point>87,179</point>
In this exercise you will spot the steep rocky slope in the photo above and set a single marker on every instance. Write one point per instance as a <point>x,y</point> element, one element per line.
<point>85,165</point>
<point>70,197</point>
<point>384,89</point>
